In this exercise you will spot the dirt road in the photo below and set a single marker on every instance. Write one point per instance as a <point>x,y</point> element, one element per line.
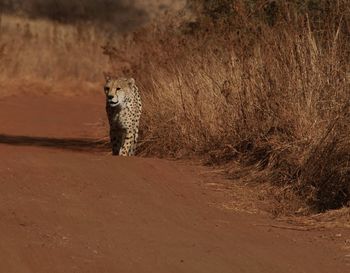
<point>68,206</point>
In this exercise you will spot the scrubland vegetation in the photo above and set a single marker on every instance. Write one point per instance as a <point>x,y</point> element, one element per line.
<point>45,55</point>
<point>55,46</point>
<point>259,87</point>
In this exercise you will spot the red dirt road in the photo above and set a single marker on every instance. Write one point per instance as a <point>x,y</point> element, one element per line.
<point>68,206</point>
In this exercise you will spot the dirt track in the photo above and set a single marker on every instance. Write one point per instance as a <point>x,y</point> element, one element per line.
<point>68,206</point>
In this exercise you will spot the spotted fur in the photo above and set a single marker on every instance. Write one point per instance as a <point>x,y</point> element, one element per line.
<point>123,107</point>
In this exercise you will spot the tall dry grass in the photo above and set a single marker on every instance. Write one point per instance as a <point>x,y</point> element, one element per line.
<point>272,99</point>
<point>55,46</point>
<point>50,56</point>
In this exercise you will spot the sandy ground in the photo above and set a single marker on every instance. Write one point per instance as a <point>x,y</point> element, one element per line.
<point>68,206</point>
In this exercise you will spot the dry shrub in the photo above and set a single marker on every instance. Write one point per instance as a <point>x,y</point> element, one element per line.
<point>273,98</point>
<point>109,12</point>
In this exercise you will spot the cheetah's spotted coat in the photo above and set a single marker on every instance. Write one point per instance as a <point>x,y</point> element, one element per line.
<point>123,106</point>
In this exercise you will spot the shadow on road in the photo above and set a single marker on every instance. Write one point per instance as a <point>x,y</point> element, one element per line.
<point>73,144</point>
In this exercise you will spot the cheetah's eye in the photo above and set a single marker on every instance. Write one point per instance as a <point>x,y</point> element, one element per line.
<point>107,89</point>
<point>118,88</point>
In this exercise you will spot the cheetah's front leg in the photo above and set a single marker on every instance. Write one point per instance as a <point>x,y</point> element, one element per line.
<point>127,143</point>
<point>116,136</point>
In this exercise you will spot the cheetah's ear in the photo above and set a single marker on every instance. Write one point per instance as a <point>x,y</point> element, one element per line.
<point>131,81</point>
<point>107,76</point>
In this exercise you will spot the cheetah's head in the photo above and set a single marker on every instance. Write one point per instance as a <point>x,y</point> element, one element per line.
<point>118,90</point>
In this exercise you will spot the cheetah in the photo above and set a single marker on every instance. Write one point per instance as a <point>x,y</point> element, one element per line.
<point>123,107</point>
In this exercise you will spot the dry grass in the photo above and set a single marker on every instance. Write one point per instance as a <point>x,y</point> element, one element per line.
<point>50,56</point>
<point>51,46</point>
<point>270,99</point>
<point>330,219</point>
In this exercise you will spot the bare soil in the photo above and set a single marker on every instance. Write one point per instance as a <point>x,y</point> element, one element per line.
<point>68,206</point>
